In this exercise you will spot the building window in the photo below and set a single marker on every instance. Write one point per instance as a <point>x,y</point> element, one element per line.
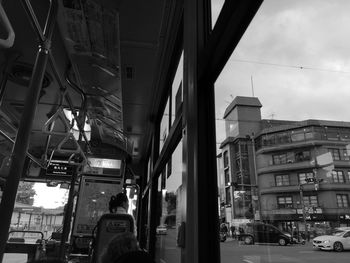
<point>280,158</point>
<point>310,201</point>
<point>337,176</point>
<point>225,159</point>
<point>302,156</point>
<point>228,196</point>
<point>303,176</point>
<point>343,200</point>
<point>335,154</point>
<point>345,155</point>
<point>285,202</point>
<point>297,135</point>
<point>282,180</point>
<point>227,176</point>
<point>349,176</point>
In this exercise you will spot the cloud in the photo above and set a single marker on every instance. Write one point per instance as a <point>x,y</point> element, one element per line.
<point>298,54</point>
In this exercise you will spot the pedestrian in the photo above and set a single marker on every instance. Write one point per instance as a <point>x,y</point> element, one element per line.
<point>233,231</point>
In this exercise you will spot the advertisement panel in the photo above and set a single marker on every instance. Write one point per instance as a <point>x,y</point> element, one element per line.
<point>94,195</point>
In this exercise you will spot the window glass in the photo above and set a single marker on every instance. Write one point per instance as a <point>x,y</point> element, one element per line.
<point>332,134</point>
<point>39,207</point>
<point>164,126</point>
<point>344,155</point>
<point>170,199</point>
<point>301,156</point>
<point>285,202</point>
<point>335,154</point>
<point>226,162</point>
<point>338,176</point>
<point>310,201</point>
<point>279,84</point>
<point>176,92</point>
<point>303,176</point>
<point>342,200</point>
<point>297,136</point>
<point>282,180</point>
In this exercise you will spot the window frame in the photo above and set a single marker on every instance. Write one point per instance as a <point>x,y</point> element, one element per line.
<point>342,198</point>
<point>307,176</point>
<point>283,177</point>
<point>336,172</point>
<point>285,204</point>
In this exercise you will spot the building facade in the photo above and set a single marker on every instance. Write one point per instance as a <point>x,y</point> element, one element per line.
<point>293,174</point>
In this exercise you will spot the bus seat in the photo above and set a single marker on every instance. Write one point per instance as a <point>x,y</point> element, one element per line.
<point>107,227</point>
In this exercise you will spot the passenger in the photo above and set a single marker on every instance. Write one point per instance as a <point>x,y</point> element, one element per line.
<point>233,231</point>
<point>119,204</point>
<point>122,243</point>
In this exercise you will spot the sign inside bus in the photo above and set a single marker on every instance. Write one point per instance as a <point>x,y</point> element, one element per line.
<point>101,166</point>
<point>59,169</point>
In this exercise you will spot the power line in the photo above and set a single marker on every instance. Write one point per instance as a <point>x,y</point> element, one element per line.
<point>289,66</point>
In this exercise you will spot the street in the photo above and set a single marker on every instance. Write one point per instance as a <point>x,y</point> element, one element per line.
<point>233,252</point>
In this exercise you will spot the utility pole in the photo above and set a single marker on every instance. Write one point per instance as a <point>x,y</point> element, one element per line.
<point>301,188</point>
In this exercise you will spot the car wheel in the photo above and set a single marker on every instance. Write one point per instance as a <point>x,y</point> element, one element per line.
<point>248,240</point>
<point>282,242</point>
<point>338,247</point>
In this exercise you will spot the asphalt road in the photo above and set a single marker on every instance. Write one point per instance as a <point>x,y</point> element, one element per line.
<point>233,252</point>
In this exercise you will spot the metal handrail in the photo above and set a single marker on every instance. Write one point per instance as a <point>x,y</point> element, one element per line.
<point>6,43</point>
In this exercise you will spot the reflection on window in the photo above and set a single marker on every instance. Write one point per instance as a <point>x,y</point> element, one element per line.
<point>169,216</point>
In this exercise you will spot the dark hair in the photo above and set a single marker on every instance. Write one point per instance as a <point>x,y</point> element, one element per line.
<point>119,245</point>
<point>117,200</point>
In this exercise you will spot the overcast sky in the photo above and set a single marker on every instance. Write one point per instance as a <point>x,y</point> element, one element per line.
<point>298,54</point>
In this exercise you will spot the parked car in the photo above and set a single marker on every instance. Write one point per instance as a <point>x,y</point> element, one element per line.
<point>339,241</point>
<point>264,233</point>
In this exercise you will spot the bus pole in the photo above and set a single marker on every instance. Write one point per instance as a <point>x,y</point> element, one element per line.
<point>67,217</point>
<point>22,139</point>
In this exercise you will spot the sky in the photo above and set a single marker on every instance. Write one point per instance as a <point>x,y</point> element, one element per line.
<point>49,197</point>
<point>296,56</point>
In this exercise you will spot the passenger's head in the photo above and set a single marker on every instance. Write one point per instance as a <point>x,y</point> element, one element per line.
<point>120,200</point>
<point>122,243</point>
<point>135,257</point>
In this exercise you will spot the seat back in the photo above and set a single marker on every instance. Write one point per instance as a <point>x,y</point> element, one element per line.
<point>107,227</point>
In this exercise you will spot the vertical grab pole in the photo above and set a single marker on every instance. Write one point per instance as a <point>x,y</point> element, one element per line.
<point>25,126</point>
<point>67,217</point>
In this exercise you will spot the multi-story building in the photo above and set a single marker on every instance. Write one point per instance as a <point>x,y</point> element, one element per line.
<point>301,169</point>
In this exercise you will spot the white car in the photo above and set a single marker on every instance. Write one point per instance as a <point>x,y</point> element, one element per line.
<point>339,241</point>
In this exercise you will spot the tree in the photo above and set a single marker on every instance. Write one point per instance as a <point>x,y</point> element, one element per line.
<point>25,193</point>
